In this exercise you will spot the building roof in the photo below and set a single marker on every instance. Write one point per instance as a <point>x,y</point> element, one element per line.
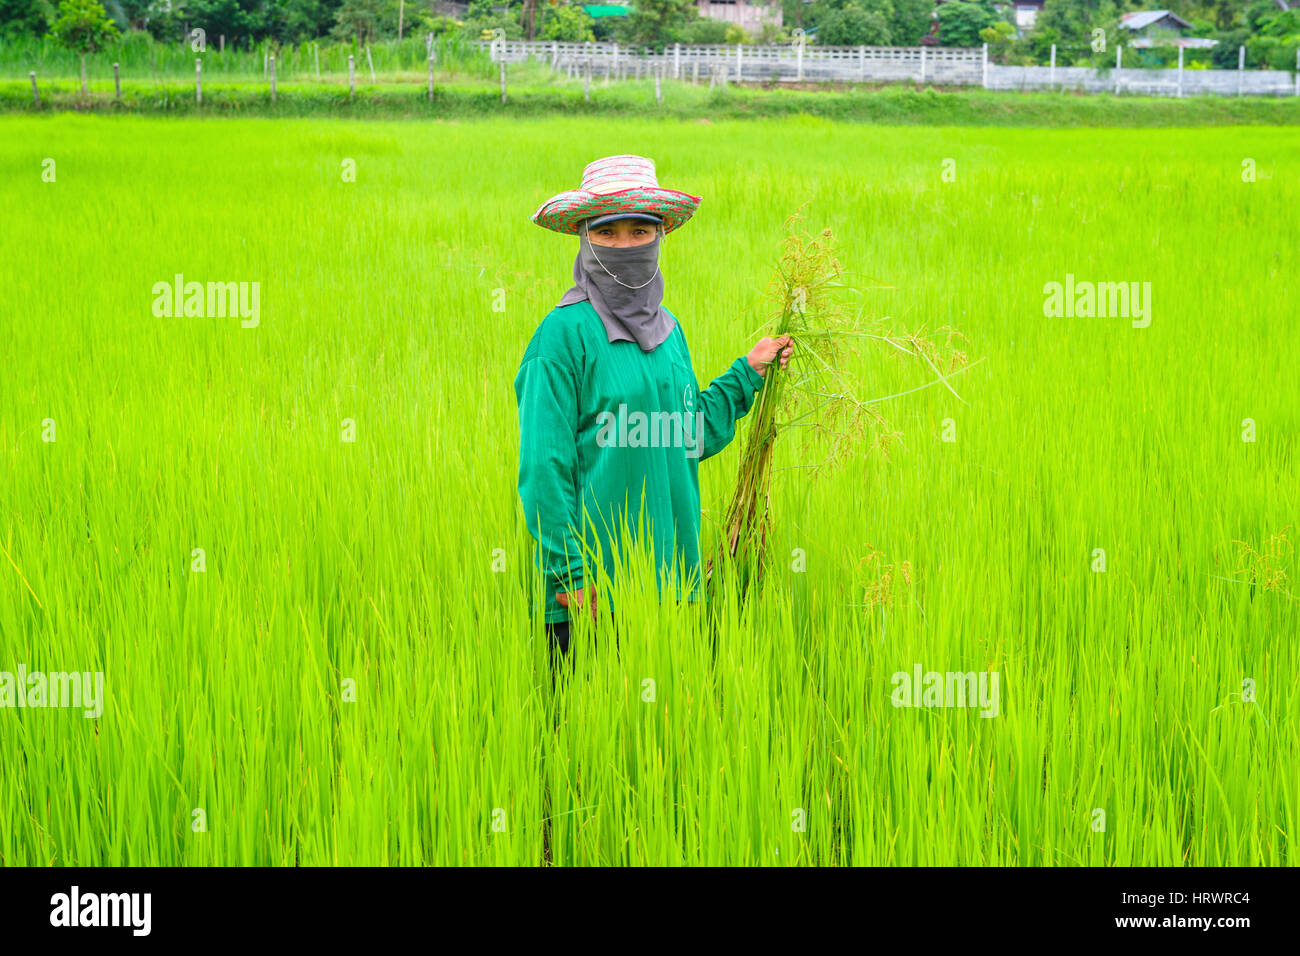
<point>1144,18</point>
<point>606,10</point>
<point>1191,43</point>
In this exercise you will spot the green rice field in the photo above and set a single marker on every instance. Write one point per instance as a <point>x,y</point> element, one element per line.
<point>290,539</point>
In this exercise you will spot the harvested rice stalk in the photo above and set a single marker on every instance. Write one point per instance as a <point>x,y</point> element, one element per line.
<point>813,394</point>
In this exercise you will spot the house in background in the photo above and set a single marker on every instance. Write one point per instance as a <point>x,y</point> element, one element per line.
<point>1026,14</point>
<point>750,16</point>
<point>1160,28</point>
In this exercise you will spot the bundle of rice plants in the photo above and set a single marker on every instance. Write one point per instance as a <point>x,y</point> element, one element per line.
<point>814,306</point>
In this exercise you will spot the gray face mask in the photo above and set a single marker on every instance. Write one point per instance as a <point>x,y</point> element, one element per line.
<point>625,287</point>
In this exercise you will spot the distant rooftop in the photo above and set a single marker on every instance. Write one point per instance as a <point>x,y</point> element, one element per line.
<point>1144,18</point>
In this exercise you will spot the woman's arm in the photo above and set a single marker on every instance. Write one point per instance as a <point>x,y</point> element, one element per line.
<point>730,396</point>
<point>548,468</point>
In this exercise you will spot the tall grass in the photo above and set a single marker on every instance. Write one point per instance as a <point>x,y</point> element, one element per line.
<point>141,57</point>
<point>354,677</point>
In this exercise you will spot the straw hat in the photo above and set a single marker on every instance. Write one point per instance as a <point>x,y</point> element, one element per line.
<point>616,184</point>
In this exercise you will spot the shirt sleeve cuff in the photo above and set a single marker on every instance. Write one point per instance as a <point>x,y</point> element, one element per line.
<point>755,380</point>
<point>568,583</point>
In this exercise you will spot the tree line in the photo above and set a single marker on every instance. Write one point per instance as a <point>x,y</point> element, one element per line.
<point>1083,31</point>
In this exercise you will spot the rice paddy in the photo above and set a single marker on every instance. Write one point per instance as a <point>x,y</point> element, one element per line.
<point>288,536</point>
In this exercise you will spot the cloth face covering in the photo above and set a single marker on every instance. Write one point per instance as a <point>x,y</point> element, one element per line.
<point>630,306</point>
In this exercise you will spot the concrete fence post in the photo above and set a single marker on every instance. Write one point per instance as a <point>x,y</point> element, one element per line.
<point>272,79</point>
<point>1241,67</point>
<point>922,64</point>
<point>352,77</point>
<point>198,81</point>
<point>1051,73</point>
<point>1180,72</point>
<point>431,78</point>
<point>1119,59</point>
<point>984,65</point>
<point>862,63</point>
<point>677,61</point>
<point>36,94</point>
<point>117,83</point>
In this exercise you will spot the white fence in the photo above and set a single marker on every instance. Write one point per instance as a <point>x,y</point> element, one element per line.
<point>955,66</point>
<point>1153,82</point>
<point>743,62</point>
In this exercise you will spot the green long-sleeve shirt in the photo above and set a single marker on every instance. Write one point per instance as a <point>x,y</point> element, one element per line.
<point>600,424</point>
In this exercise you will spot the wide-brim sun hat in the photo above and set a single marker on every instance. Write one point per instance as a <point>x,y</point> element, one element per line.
<point>615,216</point>
<point>615,185</point>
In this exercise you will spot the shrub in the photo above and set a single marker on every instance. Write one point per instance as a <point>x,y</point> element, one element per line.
<point>735,33</point>
<point>704,31</point>
<point>567,24</point>
<point>852,26</point>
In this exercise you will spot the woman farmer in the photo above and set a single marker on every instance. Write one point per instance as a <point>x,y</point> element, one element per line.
<point>611,416</point>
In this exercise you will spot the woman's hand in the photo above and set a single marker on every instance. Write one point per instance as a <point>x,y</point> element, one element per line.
<point>572,599</point>
<point>765,352</point>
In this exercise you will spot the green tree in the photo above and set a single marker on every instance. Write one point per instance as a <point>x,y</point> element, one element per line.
<point>84,27</point>
<point>229,18</point>
<point>1224,56</point>
<point>655,23</point>
<point>910,21</point>
<point>1000,37</point>
<point>365,20</point>
<point>851,25</point>
<point>1070,25</point>
<point>24,18</point>
<point>294,21</point>
<point>1224,13</point>
<point>567,23</point>
<point>161,19</point>
<point>1266,18</point>
<point>960,23</point>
